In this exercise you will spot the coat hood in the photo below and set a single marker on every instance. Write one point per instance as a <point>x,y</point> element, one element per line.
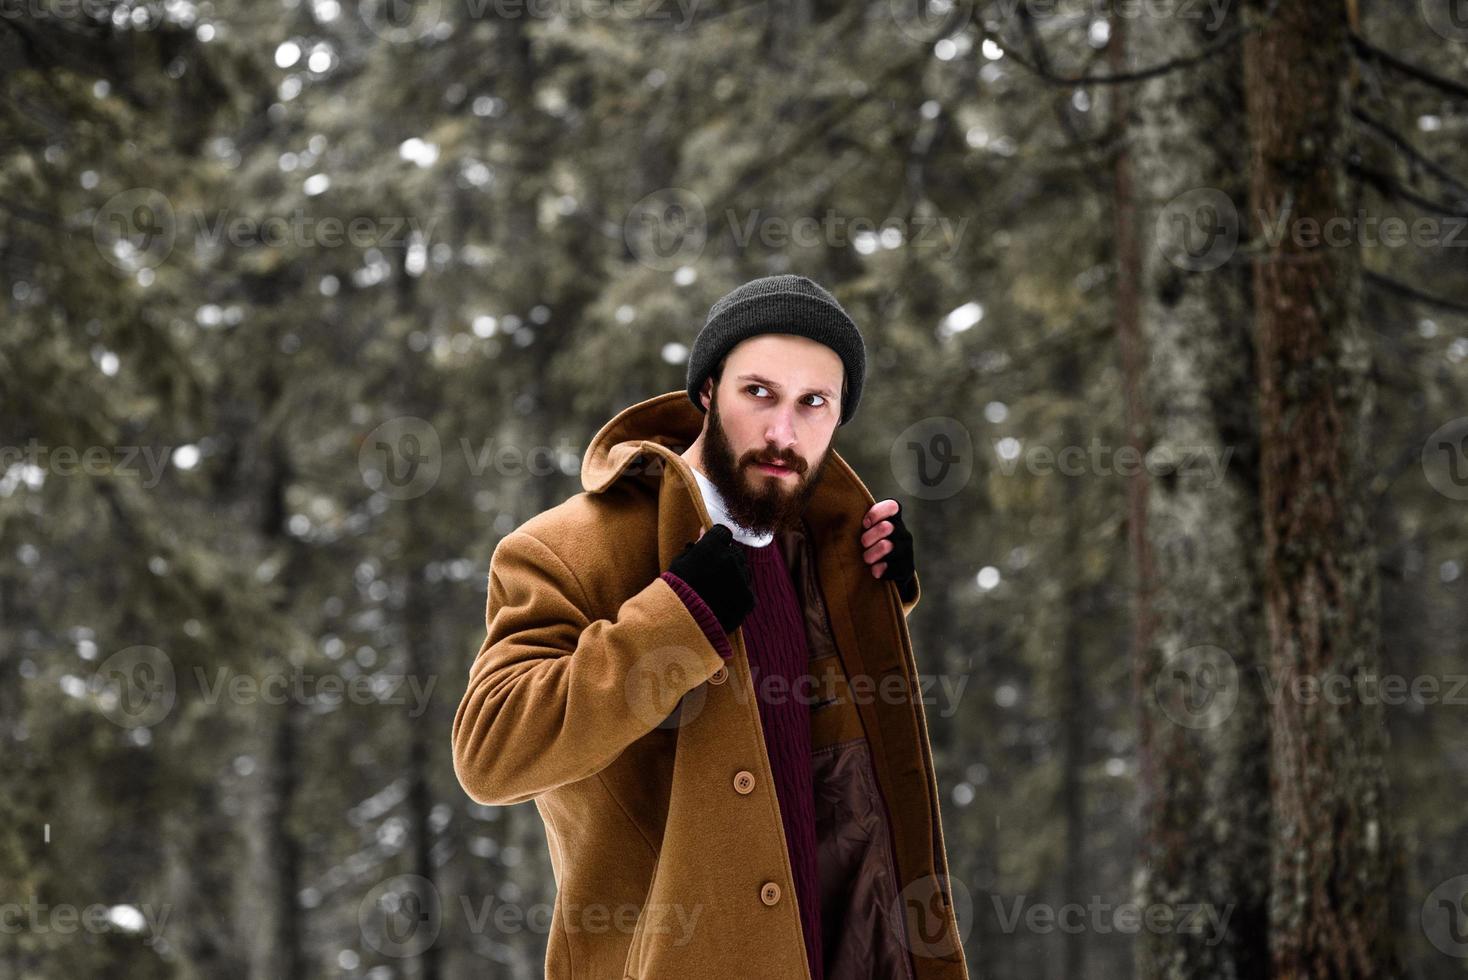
<point>660,421</point>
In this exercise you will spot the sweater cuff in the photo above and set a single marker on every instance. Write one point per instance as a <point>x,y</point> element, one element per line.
<point>702,613</point>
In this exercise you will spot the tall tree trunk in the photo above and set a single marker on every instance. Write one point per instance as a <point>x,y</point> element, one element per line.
<point>418,647</point>
<point>1129,345</point>
<point>1332,852</point>
<point>198,874</point>
<point>287,953</point>
<point>1078,599</point>
<point>284,956</point>
<point>1189,381</point>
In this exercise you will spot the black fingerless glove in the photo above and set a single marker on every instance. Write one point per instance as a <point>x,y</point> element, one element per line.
<point>900,567</point>
<point>714,567</point>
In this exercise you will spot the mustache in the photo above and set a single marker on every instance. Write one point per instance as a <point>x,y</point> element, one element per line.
<point>794,462</point>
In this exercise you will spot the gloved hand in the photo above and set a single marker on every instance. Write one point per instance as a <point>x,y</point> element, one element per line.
<point>900,564</point>
<point>714,567</point>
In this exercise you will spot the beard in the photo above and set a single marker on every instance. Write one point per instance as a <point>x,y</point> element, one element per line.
<point>756,501</point>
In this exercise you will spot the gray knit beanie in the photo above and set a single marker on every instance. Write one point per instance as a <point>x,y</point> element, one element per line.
<point>779,304</point>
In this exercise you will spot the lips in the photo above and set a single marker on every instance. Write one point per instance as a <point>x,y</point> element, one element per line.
<point>775,468</point>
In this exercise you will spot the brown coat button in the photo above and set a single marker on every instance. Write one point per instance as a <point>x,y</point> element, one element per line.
<point>769,893</point>
<point>719,676</point>
<point>744,782</point>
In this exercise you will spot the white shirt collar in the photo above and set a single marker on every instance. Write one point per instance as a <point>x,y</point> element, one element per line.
<point>719,514</point>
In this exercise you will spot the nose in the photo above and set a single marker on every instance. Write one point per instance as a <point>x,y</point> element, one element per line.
<point>780,432</point>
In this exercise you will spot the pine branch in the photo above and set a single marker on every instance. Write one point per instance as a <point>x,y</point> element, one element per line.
<point>1216,46</point>
<point>1411,152</point>
<point>826,121</point>
<point>1390,186</point>
<point>1366,50</point>
<point>1411,292</point>
<point>1041,59</point>
<point>42,218</point>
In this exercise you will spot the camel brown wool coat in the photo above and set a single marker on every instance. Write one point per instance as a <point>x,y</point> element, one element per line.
<point>597,695</point>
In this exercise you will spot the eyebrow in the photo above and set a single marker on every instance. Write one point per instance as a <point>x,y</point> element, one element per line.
<point>776,387</point>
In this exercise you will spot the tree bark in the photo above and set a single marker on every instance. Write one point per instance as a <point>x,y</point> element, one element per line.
<point>1332,868</point>
<point>1189,391</point>
<point>417,647</point>
<point>1072,699</point>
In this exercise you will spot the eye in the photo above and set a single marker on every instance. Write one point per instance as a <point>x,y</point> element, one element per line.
<point>760,387</point>
<point>821,403</point>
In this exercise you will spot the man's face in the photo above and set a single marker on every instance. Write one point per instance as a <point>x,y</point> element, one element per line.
<point>768,408</point>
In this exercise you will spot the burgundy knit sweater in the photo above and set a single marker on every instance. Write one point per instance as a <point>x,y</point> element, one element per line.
<point>774,636</point>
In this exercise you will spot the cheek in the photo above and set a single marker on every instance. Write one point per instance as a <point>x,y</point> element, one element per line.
<point>815,441</point>
<point>746,437</point>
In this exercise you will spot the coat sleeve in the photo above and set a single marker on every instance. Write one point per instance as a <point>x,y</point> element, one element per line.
<point>712,628</point>
<point>554,696</point>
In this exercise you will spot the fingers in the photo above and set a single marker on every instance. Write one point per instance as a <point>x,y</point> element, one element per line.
<point>886,540</point>
<point>876,551</point>
<point>875,533</point>
<point>880,510</point>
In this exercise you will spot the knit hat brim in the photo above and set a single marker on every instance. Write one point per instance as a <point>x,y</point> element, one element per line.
<point>779,304</point>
